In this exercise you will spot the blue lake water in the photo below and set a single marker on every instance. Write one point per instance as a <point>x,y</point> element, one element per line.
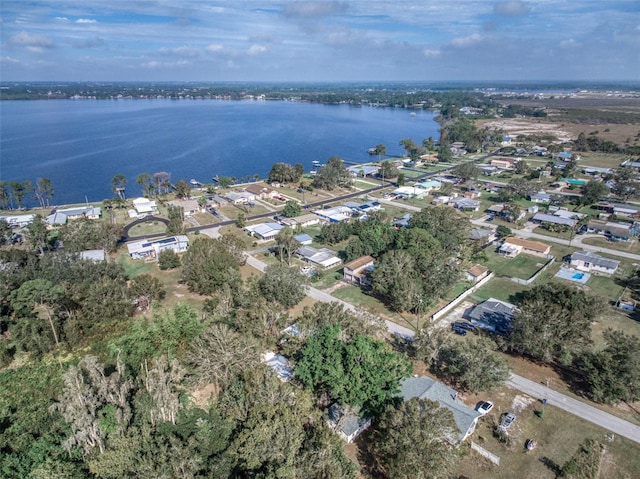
<point>81,145</point>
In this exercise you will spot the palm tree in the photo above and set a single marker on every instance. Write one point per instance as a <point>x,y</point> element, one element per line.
<point>118,183</point>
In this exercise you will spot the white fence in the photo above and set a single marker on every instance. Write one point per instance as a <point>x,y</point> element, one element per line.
<point>438,314</point>
<point>483,452</point>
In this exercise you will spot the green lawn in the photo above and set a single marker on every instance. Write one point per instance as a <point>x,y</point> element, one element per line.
<point>522,266</point>
<point>499,288</point>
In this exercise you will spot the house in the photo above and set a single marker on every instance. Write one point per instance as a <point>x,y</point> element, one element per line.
<point>303,238</point>
<point>465,204</point>
<point>593,263</point>
<point>95,255</point>
<point>429,185</point>
<point>402,222</point>
<point>493,315</point>
<point>363,171</point>
<point>347,424</point>
<point>309,219</point>
<point>357,271</point>
<point>335,215</point>
<point>500,212</point>
<point>261,191</point>
<point>595,171</point>
<point>409,192</point>
<point>18,221</point>
<point>323,257</point>
<point>512,247</point>
<point>542,218</point>
<point>60,216</point>
<point>476,273</point>
<point>144,206</point>
<point>504,163</point>
<point>373,205</point>
<point>279,364</point>
<point>240,197</point>
<point>264,231</point>
<point>422,387</point>
<point>540,197</point>
<point>189,207</point>
<point>489,170</point>
<point>483,236</point>
<point>152,249</point>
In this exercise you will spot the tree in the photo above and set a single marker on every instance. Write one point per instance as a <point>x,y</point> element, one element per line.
<point>445,154</point>
<point>450,229</point>
<point>283,284</point>
<point>626,184</point>
<point>241,220</point>
<point>218,353</point>
<point>473,365</point>
<point>586,462</point>
<point>285,173</point>
<point>287,244</point>
<point>400,180</point>
<point>511,211</point>
<point>20,189</point>
<point>467,171</point>
<point>38,295</point>
<point>162,182</point>
<point>521,167</point>
<point>291,209</point>
<point>168,259</point>
<point>207,266</point>
<point>94,404</point>
<point>388,170</point>
<point>118,184</point>
<point>554,321</point>
<point>408,145</point>
<point>44,191</point>
<point>176,220</point>
<point>613,373</point>
<point>395,279</point>
<point>380,150</point>
<point>503,231</point>
<point>362,372</point>
<point>145,181</point>
<point>161,382</point>
<point>183,189</point>
<point>224,181</point>
<point>5,197</point>
<point>37,233</point>
<point>145,289</point>
<point>332,175</point>
<point>593,192</point>
<point>428,143</point>
<point>414,440</point>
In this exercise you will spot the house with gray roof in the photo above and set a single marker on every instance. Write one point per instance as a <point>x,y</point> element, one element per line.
<point>493,315</point>
<point>423,387</point>
<point>542,218</point>
<point>593,263</point>
<point>323,257</point>
<point>540,197</point>
<point>465,204</point>
<point>347,424</point>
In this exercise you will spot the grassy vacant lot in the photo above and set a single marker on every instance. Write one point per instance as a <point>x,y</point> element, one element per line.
<point>522,266</point>
<point>558,435</point>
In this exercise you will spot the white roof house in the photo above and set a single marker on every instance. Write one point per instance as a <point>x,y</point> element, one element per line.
<point>144,206</point>
<point>279,364</point>
<point>410,191</point>
<point>335,215</point>
<point>593,263</point>
<point>151,249</point>
<point>18,220</point>
<point>322,257</point>
<point>240,197</point>
<point>60,217</point>
<point>264,231</point>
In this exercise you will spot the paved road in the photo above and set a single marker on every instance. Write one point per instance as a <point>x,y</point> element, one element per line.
<point>319,295</point>
<point>578,408</point>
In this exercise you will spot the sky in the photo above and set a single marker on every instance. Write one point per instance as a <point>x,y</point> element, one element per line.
<point>326,40</point>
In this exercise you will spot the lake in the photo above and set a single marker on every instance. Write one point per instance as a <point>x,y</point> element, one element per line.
<point>81,144</point>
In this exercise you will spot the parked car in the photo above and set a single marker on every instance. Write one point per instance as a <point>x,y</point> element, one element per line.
<point>460,331</point>
<point>464,325</point>
<point>507,420</point>
<point>490,218</point>
<point>484,407</point>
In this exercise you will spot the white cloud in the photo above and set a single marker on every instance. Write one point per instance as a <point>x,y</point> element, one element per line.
<point>9,60</point>
<point>155,65</point>
<point>256,50</point>
<point>214,48</point>
<point>86,20</point>
<point>467,41</point>
<point>431,53</point>
<point>570,43</point>
<point>314,9</point>
<point>62,19</point>
<point>514,8</point>
<point>183,51</point>
<point>32,42</point>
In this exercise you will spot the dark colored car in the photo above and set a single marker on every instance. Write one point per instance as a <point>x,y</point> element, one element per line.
<point>460,331</point>
<point>463,325</point>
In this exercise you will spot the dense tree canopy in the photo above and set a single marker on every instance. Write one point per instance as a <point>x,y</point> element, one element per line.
<point>208,265</point>
<point>554,321</point>
<point>361,372</point>
<point>333,174</point>
<point>413,440</point>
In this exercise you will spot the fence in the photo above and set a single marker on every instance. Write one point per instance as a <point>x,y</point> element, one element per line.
<point>438,314</point>
<point>483,452</point>
<point>535,276</point>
